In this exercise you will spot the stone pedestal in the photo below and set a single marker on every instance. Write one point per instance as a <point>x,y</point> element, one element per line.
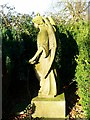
<point>49,107</point>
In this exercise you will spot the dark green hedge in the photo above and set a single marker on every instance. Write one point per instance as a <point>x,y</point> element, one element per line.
<point>80,32</point>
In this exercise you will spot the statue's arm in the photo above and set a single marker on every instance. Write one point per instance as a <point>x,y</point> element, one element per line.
<point>34,59</point>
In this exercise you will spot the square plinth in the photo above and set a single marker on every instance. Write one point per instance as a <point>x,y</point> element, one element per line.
<point>49,107</point>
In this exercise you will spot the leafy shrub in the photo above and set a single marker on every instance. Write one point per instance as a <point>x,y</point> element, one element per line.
<point>80,32</point>
<point>18,46</point>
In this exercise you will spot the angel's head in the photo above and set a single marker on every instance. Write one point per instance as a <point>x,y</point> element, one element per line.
<point>38,20</point>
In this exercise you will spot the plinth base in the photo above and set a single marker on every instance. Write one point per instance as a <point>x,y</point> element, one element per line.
<point>49,107</point>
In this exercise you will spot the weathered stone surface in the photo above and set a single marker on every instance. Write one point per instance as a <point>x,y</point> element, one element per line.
<point>50,107</point>
<point>44,58</point>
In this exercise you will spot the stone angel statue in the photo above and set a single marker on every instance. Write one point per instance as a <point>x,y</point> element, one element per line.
<point>43,59</point>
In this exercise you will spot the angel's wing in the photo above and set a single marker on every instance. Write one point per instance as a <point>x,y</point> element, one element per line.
<point>52,45</point>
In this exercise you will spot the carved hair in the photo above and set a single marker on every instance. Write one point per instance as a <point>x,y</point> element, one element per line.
<point>38,20</point>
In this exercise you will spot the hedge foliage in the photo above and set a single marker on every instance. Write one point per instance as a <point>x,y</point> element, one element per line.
<point>80,32</point>
<point>73,52</point>
<point>80,52</point>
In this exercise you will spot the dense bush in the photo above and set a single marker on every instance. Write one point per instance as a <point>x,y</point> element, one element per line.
<point>75,58</point>
<point>80,32</point>
<point>18,46</point>
<point>83,68</point>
